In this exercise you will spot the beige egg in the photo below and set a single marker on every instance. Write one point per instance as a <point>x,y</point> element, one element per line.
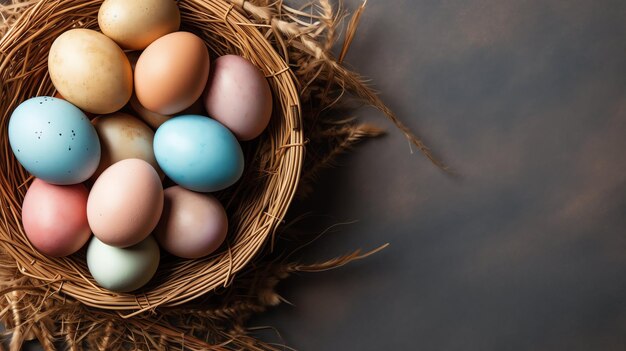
<point>135,24</point>
<point>90,71</point>
<point>123,136</point>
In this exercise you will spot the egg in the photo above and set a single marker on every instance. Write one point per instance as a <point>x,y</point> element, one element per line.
<point>123,136</point>
<point>198,153</point>
<point>54,140</point>
<point>126,269</point>
<point>171,73</point>
<point>238,96</point>
<point>135,24</point>
<point>90,71</point>
<point>125,203</point>
<point>55,217</point>
<point>192,225</point>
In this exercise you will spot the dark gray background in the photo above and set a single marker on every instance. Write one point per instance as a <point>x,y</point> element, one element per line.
<point>527,250</point>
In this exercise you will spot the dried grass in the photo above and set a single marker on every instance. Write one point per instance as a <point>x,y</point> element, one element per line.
<point>191,304</point>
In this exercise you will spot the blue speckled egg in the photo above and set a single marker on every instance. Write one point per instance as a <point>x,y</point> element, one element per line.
<point>54,140</point>
<point>198,153</point>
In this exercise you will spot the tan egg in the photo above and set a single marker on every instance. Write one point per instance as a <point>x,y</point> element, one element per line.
<point>123,136</point>
<point>137,23</point>
<point>171,73</point>
<point>90,71</point>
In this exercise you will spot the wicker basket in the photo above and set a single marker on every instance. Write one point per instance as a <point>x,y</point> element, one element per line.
<point>255,205</point>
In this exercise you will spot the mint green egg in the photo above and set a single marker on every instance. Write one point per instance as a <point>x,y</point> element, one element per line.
<point>123,270</point>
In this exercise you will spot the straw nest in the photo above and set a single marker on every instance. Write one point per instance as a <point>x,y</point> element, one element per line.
<point>255,206</point>
<point>204,303</point>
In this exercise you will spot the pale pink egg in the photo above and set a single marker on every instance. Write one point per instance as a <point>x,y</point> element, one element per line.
<point>238,96</point>
<point>192,224</point>
<point>125,203</point>
<point>55,217</point>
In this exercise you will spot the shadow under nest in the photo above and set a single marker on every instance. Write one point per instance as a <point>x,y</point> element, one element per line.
<point>306,38</point>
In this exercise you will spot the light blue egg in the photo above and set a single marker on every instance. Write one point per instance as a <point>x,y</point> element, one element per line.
<point>198,153</point>
<point>54,140</point>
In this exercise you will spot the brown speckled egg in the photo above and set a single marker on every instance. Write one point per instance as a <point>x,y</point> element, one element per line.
<point>90,70</point>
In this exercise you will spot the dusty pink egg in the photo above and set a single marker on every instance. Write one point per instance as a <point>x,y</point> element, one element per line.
<point>125,203</point>
<point>192,224</point>
<point>55,217</point>
<point>238,96</point>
